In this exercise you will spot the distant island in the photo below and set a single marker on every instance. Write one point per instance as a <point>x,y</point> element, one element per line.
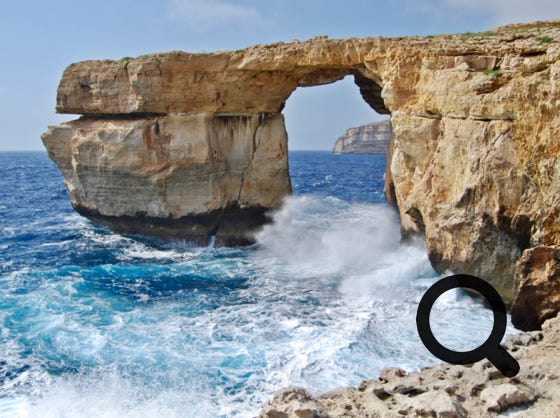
<point>372,138</point>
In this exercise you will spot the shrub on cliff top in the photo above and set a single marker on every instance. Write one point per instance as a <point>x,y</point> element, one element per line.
<point>485,33</point>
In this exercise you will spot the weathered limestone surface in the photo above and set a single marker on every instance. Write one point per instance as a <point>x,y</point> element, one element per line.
<point>473,162</point>
<point>477,390</point>
<point>366,139</point>
<point>537,287</point>
<point>180,176</point>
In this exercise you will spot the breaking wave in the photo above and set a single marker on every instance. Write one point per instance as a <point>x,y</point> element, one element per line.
<point>95,324</point>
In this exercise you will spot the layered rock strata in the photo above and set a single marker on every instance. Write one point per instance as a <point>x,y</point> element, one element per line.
<point>184,143</point>
<point>453,391</point>
<point>372,138</point>
<point>183,176</point>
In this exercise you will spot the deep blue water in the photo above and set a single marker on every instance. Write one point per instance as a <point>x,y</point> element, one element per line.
<point>94,323</point>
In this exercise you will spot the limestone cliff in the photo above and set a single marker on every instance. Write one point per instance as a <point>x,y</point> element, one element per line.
<point>189,144</point>
<point>366,139</point>
<point>184,176</point>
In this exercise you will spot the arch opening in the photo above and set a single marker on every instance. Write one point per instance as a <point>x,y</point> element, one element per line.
<point>333,104</point>
<point>226,139</point>
<point>316,117</point>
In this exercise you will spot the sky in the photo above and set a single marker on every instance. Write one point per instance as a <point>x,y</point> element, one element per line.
<point>38,39</point>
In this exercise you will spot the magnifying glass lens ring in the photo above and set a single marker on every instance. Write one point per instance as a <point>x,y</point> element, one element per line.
<point>467,282</point>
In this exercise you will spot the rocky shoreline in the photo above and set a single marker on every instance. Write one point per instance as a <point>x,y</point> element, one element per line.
<point>445,390</point>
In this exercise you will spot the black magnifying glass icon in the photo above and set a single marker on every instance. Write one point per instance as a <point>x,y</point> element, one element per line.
<point>491,348</point>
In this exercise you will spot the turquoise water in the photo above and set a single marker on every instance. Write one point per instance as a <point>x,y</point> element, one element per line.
<point>99,324</point>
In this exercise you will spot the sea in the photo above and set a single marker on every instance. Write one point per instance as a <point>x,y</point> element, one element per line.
<point>97,324</point>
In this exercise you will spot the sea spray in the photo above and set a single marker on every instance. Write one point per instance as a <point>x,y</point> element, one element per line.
<point>96,324</point>
<point>329,234</point>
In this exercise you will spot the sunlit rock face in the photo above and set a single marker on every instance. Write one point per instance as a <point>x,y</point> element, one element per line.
<point>366,139</point>
<point>176,143</point>
<point>189,176</point>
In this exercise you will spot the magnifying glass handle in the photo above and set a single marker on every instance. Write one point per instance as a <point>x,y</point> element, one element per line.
<point>503,361</point>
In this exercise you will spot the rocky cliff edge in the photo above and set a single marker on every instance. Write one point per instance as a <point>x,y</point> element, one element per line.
<point>194,145</point>
<point>372,138</point>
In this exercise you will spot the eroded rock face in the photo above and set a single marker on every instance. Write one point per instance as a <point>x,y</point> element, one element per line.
<point>181,176</point>
<point>366,139</point>
<point>537,287</point>
<point>473,162</point>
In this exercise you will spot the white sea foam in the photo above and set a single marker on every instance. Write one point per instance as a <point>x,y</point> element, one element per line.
<point>359,243</point>
<point>8,231</point>
<point>110,395</point>
<point>326,297</point>
<point>138,250</point>
<point>14,408</point>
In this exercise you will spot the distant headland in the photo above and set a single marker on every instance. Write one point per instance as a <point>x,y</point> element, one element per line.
<point>372,138</point>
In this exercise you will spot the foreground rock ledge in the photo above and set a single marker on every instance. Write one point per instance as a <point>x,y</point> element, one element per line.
<point>478,390</point>
<point>193,145</point>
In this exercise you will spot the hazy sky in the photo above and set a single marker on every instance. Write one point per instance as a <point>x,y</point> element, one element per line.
<point>40,38</point>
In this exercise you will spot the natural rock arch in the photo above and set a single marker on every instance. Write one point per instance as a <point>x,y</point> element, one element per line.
<point>313,115</point>
<point>201,138</point>
<point>193,145</point>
